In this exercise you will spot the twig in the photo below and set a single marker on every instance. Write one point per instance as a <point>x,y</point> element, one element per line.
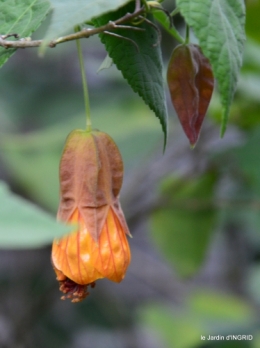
<point>116,26</point>
<point>84,33</point>
<point>137,5</point>
<point>10,35</point>
<point>124,38</point>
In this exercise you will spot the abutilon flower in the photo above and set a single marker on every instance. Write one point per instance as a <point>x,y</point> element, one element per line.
<point>91,175</point>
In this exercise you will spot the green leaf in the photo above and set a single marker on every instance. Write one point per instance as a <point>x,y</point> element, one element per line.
<point>174,329</point>
<point>24,225</point>
<point>203,313</point>
<point>106,64</point>
<point>22,18</point>
<point>219,27</point>
<point>68,13</point>
<point>182,228</point>
<point>252,20</point>
<point>31,159</point>
<point>246,156</point>
<point>224,308</point>
<point>142,67</point>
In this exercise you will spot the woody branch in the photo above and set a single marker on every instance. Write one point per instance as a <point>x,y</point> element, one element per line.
<point>84,33</point>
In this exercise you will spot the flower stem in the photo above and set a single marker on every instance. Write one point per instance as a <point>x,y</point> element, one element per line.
<point>187,39</point>
<point>84,83</point>
<point>174,12</point>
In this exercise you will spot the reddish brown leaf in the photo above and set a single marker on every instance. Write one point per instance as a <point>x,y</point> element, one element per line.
<point>191,82</point>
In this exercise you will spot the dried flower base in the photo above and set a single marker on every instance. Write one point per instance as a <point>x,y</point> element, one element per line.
<point>75,292</point>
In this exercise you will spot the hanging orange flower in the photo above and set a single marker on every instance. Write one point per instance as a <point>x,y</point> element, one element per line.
<point>91,175</point>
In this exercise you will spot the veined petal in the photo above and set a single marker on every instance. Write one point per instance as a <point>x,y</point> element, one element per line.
<point>113,255</point>
<point>72,254</point>
<point>80,258</point>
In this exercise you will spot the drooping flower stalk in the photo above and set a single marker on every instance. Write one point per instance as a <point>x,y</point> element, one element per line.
<point>84,83</point>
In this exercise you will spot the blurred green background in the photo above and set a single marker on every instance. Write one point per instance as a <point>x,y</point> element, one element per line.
<point>194,214</point>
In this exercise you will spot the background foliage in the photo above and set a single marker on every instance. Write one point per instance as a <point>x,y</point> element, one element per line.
<point>194,214</point>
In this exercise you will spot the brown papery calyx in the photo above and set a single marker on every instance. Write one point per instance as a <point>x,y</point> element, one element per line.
<point>91,176</point>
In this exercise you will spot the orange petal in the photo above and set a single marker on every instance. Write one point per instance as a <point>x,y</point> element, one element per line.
<point>113,256</point>
<point>72,254</point>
